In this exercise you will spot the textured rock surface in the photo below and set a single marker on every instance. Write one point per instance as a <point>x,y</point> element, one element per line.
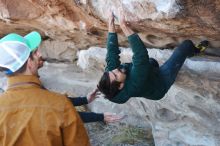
<point>161,23</point>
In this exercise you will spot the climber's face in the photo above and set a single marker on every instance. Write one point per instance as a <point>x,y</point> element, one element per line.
<point>117,75</point>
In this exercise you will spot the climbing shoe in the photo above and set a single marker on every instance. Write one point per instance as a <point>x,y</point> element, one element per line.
<point>201,47</point>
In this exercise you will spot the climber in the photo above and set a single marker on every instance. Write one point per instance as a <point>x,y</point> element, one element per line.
<point>30,114</point>
<point>143,77</point>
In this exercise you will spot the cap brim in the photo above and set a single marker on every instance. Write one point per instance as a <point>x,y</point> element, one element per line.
<point>12,37</point>
<point>33,40</point>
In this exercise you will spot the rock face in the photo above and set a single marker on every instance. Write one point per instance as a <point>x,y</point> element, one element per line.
<point>82,23</point>
<point>187,115</point>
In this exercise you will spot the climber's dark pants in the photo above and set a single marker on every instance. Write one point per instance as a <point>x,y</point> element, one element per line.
<point>171,67</point>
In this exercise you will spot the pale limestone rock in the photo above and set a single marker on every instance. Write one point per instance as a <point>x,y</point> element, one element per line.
<point>58,50</point>
<point>86,59</point>
<point>139,9</point>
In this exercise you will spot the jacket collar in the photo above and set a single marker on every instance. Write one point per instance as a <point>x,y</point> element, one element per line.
<point>23,80</point>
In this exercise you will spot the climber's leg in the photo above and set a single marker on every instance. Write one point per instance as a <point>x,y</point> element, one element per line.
<point>171,67</point>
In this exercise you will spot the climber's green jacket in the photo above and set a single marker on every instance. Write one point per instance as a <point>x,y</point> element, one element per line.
<point>143,79</point>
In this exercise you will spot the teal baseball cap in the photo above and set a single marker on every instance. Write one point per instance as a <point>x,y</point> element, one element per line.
<point>15,49</point>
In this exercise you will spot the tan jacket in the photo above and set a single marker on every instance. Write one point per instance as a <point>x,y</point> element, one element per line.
<point>32,116</point>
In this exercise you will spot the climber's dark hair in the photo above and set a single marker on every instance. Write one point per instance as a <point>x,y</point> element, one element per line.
<point>108,88</point>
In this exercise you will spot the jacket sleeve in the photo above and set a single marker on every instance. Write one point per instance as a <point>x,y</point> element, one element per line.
<point>140,57</point>
<point>73,130</point>
<point>88,117</point>
<point>112,56</point>
<point>78,101</point>
<point>140,70</point>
